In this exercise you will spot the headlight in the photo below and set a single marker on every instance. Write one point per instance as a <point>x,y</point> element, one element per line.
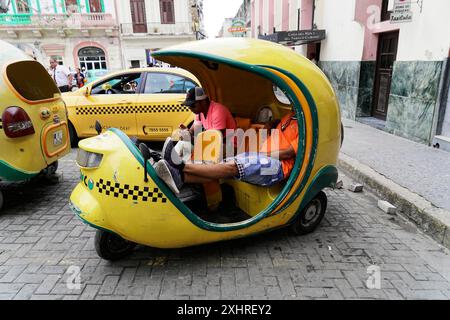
<point>88,159</point>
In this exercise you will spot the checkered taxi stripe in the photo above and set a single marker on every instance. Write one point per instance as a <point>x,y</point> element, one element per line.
<point>130,109</point>
<point>126,191</point>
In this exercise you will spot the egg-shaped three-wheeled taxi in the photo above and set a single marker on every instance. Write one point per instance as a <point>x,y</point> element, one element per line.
<point>33,118</point>
<point>258,81</point>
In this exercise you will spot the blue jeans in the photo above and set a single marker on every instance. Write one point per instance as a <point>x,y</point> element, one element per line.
<point>258,169</point>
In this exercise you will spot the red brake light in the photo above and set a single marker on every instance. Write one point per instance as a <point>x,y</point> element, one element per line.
<point>17,123</point>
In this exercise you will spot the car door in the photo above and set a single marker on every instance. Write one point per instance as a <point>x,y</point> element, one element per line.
<point>160,109</point>
<point>112,102</point>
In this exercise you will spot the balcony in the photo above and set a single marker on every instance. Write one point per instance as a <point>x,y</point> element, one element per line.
<point>38,24</point>
<point>157,29</point>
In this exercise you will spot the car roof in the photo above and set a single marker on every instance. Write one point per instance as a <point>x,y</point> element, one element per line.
<point>177,71</point>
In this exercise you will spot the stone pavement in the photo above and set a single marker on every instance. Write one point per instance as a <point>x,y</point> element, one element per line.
<point>417,167</point>
<point>42,245</point>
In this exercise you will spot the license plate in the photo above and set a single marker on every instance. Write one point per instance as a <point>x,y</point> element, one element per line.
<point>157,130</point>
<point>58,138</point>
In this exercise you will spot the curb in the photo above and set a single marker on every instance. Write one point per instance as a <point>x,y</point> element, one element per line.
<point>432,220</point>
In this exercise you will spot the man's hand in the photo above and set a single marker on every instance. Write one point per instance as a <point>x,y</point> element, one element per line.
<point>271,125</point>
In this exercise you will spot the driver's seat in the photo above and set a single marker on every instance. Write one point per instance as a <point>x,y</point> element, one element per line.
<point>208,148</point>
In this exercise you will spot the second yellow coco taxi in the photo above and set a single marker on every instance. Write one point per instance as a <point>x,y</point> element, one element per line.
<point>143,103</point>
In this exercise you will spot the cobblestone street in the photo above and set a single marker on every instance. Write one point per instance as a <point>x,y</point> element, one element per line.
<point>41,239</point>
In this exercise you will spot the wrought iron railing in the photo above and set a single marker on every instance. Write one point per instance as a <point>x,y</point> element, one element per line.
<point>65,20</point>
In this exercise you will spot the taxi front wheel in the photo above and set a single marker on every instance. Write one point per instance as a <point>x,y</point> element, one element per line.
<point>311,216</point>
<point>111,247</point>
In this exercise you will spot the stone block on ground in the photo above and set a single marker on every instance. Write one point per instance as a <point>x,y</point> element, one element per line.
<point>387,207</point>
<point>356,187</point>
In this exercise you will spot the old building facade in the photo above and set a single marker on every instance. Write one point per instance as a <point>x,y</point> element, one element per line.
<point>99,34</point>
<point>76,32</point>
<point>387,59</point>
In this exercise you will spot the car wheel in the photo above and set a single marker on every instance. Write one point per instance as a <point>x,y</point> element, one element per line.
<point>311,216</point>
<point>111,247</point>
<point>73,136</point>
<point>1,200</point>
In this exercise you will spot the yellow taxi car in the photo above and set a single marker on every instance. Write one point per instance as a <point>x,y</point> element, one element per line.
<point>144,103</point>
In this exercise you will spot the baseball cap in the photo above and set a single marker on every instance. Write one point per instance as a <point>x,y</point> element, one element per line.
<point>194,95</point>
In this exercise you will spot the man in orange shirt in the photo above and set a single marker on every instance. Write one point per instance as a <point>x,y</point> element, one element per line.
<point>270,166</point>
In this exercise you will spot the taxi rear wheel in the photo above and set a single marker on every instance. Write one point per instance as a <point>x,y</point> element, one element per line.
<point>311,216</point>
<point>73,136</point>
<point>111,247</point>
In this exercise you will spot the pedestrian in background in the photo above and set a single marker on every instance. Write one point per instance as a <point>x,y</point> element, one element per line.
<point>80,78</point>
<point>61,75</point>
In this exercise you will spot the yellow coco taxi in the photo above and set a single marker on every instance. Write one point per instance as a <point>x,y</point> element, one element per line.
<point>144,103</point>
<point>121,195</point>
<point>33,118</point>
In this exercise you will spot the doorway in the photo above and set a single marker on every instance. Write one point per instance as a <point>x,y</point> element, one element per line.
<point>386,56</point>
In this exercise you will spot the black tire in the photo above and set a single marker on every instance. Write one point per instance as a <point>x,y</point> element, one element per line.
<point>51,170</point>
<point>112,247</point>
<point>311,216</point>
<point>73,136</point>
<point>2,200</point>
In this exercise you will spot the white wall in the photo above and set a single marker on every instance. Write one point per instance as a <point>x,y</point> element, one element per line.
<point>427,37</point>
<point>345,37</point>
<point>182,14</point>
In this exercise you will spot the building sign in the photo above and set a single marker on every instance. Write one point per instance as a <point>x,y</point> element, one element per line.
<point>238,28</point>
<point>402,11</point>
<point>297,37</point>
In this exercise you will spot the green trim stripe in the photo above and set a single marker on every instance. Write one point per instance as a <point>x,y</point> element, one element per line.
<point>315,118</point>
<point>9,173</point>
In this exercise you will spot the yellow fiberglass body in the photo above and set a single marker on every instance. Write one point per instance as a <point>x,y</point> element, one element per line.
<point>144,103</point>
<point>33,127</point>
<point>248,76</point>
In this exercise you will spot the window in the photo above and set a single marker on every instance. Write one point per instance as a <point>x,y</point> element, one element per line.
<point>167,11</point>
<point>167,83</point>
<point>95,6</point>
<point>280,95</point>
<point>58,59</point>
<point>386,9</point>
<point>24,75</point>
<point>121,84</point>
<point>23,6</point>
<point>135,63</point>
<point>92,58</point>
<point>71,5</point>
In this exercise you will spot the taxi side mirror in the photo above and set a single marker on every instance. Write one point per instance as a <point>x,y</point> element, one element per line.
<point>87,91</point>
<point>98,127</point>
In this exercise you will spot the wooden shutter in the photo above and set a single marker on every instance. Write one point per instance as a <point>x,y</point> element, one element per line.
<point>167,11</point>
<point>138,16</point>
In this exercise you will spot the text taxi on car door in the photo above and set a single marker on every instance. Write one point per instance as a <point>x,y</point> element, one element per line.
<point>33,118</point>
<point>143,103</point>
<point>121,195</point>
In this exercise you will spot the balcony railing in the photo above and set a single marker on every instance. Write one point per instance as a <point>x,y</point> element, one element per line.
<point>74,20</point>
<point>157,28</point>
